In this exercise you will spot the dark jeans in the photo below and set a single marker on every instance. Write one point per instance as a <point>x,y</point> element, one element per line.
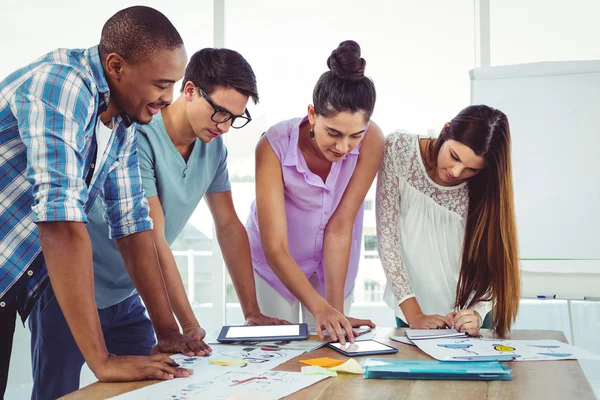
<point>55,358</point>
<point>8,318</point>
<point>487,322</point>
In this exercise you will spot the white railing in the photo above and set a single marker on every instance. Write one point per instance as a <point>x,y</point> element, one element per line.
<point>215,261</point>
<point>191,269</point>
<point>218,287</point>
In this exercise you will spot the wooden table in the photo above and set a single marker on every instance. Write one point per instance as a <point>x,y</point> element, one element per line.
<point>531,380</point>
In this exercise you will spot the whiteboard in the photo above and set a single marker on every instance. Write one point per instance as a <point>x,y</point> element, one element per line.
<point>554,113</point>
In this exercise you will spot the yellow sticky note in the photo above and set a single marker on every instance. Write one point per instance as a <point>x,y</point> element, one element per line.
<point>227,361</point>
<point>324,362</point>
<point>351,367</point>
<point>314,370</point>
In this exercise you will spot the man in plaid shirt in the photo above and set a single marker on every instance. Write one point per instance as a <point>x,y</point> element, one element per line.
<point>67,138</point>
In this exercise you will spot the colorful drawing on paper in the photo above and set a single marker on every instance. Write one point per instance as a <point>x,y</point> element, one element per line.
<point>475,349</point>
<point>485,358</point>
<point>237,358</point>
<point>229,370</point>
<point>503,348</point>
<point>456,346</point>
<point>260,355</point>
<point>267,384</point>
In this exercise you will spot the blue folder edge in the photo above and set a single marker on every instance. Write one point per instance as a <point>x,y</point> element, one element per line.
<point>382,368</point>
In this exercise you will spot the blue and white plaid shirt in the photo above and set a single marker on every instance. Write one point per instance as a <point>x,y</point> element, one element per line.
<point>48,114</point>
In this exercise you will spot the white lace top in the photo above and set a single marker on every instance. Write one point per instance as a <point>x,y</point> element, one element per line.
<point>420,229</point>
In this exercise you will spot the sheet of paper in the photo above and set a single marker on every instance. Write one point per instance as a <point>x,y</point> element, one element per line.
<point>433,333</point>
<point>351,367</point>
<point>247,396</point>
<point>230,370</point>
<point>228,385</point>
<point>249,358</point>
<point>324,362</point>
<point>483,349</point>
<point>314,370</point>
<point>402,339</point>
<point>226,361</point>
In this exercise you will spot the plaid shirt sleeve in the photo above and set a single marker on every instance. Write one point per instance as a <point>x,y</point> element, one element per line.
<point>52,109</point>
<point>127,210</point>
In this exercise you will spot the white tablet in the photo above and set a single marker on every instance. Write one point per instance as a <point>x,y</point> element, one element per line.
<point>263,333</point>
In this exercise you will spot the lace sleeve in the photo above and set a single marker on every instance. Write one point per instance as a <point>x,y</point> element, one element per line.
<point>388,220</point>
<point>483,307</point>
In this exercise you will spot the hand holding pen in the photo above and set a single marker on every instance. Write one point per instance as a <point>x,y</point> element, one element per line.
<point>466,320</point>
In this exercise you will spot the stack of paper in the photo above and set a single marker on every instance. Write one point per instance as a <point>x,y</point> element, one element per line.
<point>417,334</point>
<point>402,339</point>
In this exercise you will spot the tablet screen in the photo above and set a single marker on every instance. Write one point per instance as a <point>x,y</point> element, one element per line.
<point>262,331</point>
<point>361,347</point>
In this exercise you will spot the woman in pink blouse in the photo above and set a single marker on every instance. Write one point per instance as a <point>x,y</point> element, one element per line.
<point>312,175</point>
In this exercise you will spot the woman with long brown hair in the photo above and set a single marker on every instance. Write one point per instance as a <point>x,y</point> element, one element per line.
<point>446,225</point>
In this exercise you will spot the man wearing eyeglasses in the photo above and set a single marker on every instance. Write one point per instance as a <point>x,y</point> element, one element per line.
<point>182,158</point>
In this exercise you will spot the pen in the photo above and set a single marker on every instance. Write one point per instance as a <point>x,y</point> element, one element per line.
<point>546,296</point>
<point>468,303</point>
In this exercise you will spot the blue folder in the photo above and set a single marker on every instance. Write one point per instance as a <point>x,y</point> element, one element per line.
<point>384,368</point>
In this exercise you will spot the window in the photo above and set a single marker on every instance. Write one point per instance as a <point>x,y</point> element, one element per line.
<point>419,58</point>
<point>373,291</point>
<point>370,243</point>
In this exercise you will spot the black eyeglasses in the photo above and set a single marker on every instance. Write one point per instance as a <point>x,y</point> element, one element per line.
<point>221,115</point>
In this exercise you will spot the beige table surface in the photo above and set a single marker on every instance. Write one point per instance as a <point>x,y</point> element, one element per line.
<point>531,380</point>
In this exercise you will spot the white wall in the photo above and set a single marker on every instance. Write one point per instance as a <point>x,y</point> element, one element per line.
<point>552,109</point>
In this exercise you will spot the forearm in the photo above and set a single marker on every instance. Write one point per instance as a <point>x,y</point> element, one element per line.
<point>236,253</point>
<point>176,291</point>
<point>411,308</point>
<point>336,255</point>
<point>141,261</point>
<point>68,254</point>
<point>482,308</point>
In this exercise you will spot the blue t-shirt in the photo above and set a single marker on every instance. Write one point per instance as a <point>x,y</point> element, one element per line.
<point>179,187</point>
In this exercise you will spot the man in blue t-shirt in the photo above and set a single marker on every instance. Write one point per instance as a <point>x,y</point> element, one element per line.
<point>182,158</point>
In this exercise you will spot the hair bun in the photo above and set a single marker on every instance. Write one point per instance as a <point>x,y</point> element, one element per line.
<point>345,62</point>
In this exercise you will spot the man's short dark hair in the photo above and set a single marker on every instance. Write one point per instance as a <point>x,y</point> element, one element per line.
<point>138,32</point>
<point>211,68</point>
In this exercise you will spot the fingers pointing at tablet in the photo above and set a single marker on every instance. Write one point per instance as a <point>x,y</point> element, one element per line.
<point>333,321</point>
